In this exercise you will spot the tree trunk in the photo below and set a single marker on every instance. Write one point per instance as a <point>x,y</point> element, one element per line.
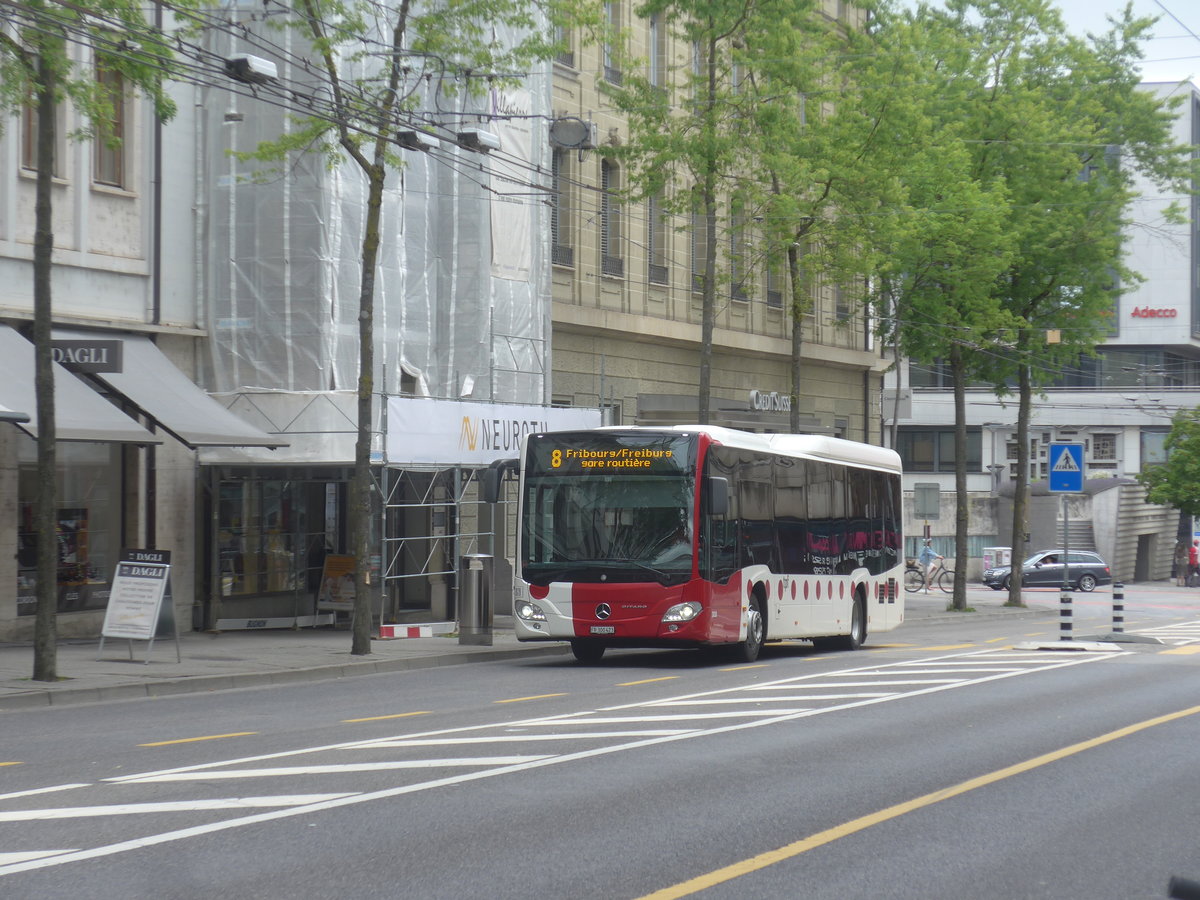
<point>958,368</point>
<point>1021,485</point>
<point>45,636</point>
<point>360,506</point>
<point>798,305</point>
<point>708,315</point>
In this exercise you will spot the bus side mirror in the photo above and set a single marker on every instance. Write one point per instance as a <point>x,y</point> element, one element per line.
<point>491,485</point>
<point>493,477</point>
<point>718,495</point>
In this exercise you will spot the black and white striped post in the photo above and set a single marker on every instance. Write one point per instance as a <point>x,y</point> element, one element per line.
<point>1064,616</point>
<point>1118,607</point>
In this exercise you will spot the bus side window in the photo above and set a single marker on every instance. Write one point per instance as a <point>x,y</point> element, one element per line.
<point>718,533</point>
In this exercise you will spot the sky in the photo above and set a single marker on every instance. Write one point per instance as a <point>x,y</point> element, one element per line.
<point>1173,54</point>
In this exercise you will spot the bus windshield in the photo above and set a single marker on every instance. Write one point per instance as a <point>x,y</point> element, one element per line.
<point>608,507</point>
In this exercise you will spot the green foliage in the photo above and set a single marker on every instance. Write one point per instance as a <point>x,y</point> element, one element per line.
<point>121,38</point>
<point>1052,131</point>
<point>1176,482</point>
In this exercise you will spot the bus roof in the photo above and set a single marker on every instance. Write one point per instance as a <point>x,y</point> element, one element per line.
<point>808,446</point>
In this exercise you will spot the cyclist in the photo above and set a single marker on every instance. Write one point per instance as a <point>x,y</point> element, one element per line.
<point>930,561</point>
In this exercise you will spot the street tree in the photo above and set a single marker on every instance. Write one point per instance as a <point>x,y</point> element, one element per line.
<point>816,159</point>
<point>90,54</point>
<point>688,133</point>
<point>373,63</point>
<point>1059,122</point>
<point>1176,482</point>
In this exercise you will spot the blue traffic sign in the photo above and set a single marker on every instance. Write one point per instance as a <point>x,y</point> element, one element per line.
<point>1066,468</point>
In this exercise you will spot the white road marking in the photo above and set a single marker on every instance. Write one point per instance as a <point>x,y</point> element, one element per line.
<point>7,858</point>
<point>45,790</point>
<point>518,738</point>
<point>342,769</point>
<point>130,809</point>
<point>768,717</point>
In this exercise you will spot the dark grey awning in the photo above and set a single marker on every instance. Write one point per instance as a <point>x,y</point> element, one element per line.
<point>80,415</point>
<point>158,388</point>
<point>11,415</point>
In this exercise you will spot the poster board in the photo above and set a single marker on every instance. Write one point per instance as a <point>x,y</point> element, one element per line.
<point>136,609</point>
<point>337,584</point>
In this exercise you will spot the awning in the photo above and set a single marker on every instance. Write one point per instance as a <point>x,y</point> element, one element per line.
<point>152,383</point>
<point>11,415</point>
<point>80,415</point>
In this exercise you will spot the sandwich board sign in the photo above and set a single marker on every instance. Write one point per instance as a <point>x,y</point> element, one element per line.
<point>140,606</point>
<point>1066,468</point>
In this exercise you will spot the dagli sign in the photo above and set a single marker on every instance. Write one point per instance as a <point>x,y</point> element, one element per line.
<point>458,433</point>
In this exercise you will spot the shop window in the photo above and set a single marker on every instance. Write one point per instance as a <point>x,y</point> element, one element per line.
<point>88,524</point>
<point>273,535</point>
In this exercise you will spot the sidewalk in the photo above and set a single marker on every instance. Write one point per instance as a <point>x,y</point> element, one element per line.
<point>238,659</point>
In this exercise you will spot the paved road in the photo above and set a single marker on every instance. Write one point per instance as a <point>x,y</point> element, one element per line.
<point>940,763</point>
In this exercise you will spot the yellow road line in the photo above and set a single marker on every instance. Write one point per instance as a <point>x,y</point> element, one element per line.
<point>1182,651</point>
<point>647,681</point>
<point>422,712</point>
<point>763,860</point>
<point>742,668</point>
<point>11,764</point>
<point>523,699</point>
<point>949,647</point>
<point>995,640</point>
<point>207,737</point>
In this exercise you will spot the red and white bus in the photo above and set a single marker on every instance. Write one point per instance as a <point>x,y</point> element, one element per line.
<point>695,536</point>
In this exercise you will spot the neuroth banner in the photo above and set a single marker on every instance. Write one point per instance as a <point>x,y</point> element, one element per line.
<point>424,432</point>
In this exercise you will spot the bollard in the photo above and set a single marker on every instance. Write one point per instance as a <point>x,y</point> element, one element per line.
<point>1064,616</point>
<point>1118,607</point>
<point>475,600</point>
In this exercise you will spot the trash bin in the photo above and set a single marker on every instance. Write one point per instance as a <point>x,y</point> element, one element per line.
<point>475,600</point>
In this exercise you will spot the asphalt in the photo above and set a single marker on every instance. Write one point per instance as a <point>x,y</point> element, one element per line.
<point>206,661</point>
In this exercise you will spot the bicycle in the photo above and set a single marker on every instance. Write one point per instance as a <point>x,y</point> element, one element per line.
<point>945,579</point>
<point>914,580</point>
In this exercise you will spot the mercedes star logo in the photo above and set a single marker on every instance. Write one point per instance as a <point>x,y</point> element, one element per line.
<point>603,611</point>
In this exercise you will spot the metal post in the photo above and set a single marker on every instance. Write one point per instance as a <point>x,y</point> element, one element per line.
<point>1064,616</point>
<point>1118,607</point>
<point>475,600</point>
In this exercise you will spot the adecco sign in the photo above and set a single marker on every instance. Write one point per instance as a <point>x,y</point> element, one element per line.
<point>457,433</point>
<point>1149,312</point>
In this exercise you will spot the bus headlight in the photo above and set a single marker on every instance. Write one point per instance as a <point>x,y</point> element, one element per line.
<point>682,612</point>
<point>530,611</point>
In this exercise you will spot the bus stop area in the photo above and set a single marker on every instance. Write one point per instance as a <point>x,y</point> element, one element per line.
<point>241,659</point>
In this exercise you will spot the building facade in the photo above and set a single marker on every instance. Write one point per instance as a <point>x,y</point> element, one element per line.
<point>626,303</point>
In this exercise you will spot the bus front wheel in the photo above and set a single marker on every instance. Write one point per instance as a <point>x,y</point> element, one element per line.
<point>587,651</point>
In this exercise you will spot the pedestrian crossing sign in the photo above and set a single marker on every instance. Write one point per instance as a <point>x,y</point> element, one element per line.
<point>1066,468</point>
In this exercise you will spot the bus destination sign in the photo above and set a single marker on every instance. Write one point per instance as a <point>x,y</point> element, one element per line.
<point>574,454</point>
<point>608,458</point>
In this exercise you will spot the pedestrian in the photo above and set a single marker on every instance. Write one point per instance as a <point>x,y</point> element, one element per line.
<point>929,560</point>
<point>1193,564</point>
<point>1179,564</point>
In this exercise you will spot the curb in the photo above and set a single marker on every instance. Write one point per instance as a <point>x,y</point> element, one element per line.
<point>69,696</point>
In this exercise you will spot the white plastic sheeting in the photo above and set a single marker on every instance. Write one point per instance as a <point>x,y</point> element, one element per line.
<point>462,287</point>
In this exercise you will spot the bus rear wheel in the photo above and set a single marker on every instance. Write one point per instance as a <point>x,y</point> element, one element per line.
<point>587,651</point>
<point>853,640</point>
<point>756,632</point>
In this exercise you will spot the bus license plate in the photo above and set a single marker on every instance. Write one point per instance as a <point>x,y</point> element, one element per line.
<point>604,629</point>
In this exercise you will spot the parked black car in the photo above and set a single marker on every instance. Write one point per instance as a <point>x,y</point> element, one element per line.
<point>1045,569</point>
